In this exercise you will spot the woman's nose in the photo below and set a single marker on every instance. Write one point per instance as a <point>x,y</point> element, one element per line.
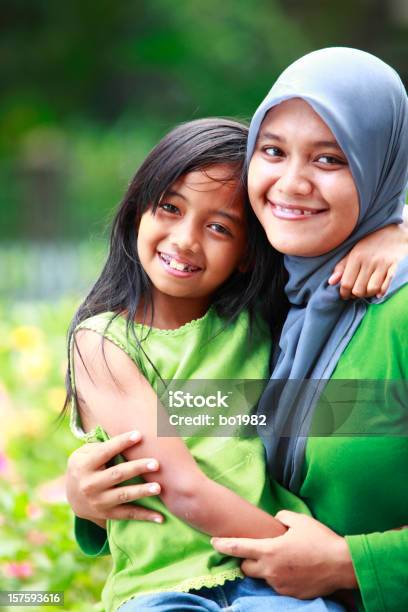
<point>294,180</point>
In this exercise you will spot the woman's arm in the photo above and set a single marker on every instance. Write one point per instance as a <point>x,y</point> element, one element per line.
<point>114,394</point>
<point>369,267</point>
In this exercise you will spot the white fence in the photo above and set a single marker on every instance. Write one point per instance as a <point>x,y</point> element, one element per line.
<point>37,271</point>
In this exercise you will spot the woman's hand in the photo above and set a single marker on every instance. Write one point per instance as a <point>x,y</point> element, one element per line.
<point>309,560</point>
<point>91,486</point>
<point>369,267</point>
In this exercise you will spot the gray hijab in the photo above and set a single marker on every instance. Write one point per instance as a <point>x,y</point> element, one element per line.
<point>364,103</point>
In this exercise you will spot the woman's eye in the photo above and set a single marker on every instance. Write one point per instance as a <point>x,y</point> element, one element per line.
<point>330,160</point>
<point>273,151</point>
<point>220,229</point>
<point>169,208</point>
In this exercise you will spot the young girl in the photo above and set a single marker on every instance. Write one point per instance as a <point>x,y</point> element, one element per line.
<point>177,299</point>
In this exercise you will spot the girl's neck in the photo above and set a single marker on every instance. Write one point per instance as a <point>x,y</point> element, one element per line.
<point>172,312</point>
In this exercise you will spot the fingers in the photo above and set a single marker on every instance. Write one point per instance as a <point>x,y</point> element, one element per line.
<point>121,495</point>
<point>290,519</point>
<point>104,479</point>
<point>349,277</point>
<point>338,271</point>
<point>239,547</point>
<point>98,454</point>
<point>130,512</point>
<point>251,568</point>
<point>368,281</point>
<point>387,281</point>
<point>376,281</point>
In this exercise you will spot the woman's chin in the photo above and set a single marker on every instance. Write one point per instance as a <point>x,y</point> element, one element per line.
<point>303,245</point>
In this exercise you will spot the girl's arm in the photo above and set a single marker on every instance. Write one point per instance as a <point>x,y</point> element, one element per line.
<point>114,394</point>
<point>369,267</point>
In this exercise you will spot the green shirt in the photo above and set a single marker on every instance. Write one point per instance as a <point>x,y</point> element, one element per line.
<point>174,556</point>
<point>358,484</point>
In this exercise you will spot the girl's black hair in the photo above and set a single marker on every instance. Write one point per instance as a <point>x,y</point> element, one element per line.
<point>123,283</point>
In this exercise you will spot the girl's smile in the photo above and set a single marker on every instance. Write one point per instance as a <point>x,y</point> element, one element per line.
<point>196,238</point>
<point>176,266</point>
<point>299,182</point>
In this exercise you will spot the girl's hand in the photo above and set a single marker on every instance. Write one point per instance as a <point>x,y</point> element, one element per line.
<point>369,267</point>
<point>309,560</point>
<point>91,486</point>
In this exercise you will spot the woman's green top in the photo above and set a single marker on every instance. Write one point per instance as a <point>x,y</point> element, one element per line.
<point>357,484</point>
<point>174,556</point>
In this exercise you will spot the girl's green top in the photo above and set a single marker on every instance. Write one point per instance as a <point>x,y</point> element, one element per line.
<point>357,484</point>
<point>174,556</point>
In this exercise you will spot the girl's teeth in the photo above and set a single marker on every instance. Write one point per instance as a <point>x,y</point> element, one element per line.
<point>176,265</point>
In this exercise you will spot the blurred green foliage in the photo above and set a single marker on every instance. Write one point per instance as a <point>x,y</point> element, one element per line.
<point>37,549</point>
<point>88,87</point>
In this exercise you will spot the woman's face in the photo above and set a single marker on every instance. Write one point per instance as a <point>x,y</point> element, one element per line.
<point>300,184</point>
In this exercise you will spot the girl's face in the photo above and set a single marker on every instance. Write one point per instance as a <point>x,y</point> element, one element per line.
<point>197,237</point>
<point>300,184</point>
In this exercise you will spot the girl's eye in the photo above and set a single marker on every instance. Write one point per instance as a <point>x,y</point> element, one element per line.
<point>220,229</point>
<point>330,160</point>
<point>273,151</point>
<point>169,208</point>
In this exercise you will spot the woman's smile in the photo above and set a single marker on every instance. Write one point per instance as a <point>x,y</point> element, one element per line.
<point>294,212</point>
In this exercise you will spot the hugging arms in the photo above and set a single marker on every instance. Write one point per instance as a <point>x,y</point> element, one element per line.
<point>315,205</point>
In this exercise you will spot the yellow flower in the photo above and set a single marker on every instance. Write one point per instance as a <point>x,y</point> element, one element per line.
<point>26,337</point>
<point>56,398</point>
<point>34,367</point>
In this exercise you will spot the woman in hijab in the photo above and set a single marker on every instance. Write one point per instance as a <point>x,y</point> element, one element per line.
<point>328,160</point>
<point>328,163</point>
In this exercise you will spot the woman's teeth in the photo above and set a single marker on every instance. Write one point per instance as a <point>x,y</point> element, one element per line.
<point>296,211</point>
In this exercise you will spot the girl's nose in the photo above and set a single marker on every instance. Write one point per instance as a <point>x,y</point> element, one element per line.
<point>185,238</point>
<point>294,180</point>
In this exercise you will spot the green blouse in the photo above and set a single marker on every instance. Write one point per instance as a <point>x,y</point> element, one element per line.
<point>174,556</point>
<point>357,484</point>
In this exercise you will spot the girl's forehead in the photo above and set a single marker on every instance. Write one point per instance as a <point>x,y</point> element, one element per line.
<point>208,178</point>
<point>210,190</point>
